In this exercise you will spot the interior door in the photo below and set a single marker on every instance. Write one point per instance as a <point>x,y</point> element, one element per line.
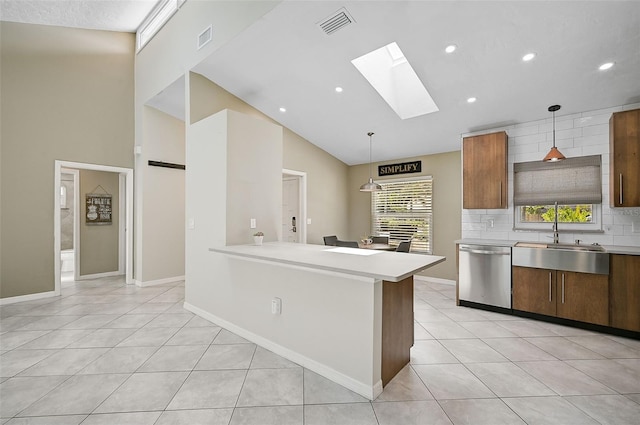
<point>290,209</point>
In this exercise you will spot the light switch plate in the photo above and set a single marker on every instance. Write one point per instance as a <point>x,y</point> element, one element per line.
<point>308,221</point>
<point>252,223</point>
<point>276,306</point>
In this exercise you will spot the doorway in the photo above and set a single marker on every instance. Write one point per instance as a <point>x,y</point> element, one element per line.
<point>294,206</point>
<point>125,247</point>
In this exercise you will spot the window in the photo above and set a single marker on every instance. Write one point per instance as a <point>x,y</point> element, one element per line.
<point>575,184</point>
<point>403,211</point>
<point>156,19</point>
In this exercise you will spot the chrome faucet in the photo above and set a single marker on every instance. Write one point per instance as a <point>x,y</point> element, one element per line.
<point>556,236</point>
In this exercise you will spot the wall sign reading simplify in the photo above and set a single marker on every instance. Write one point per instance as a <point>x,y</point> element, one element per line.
<point>402,168</point>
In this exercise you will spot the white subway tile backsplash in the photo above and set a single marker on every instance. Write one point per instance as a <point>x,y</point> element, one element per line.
<point>595,150</point>
<point>581,134</point>
<point>521,131</point>
<point>570,133</point>
<point>592,121</point>
<point>593,140</point>
<point>527,139</point>
<point>603,111</point>
<point>627,240</point>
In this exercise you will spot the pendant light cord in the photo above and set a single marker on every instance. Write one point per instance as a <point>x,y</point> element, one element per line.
<point>370,147</point>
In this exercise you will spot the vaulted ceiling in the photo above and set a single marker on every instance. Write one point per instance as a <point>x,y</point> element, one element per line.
<point>285,60</point>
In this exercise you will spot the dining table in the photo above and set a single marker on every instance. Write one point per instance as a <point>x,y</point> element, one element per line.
<point>376,246</point>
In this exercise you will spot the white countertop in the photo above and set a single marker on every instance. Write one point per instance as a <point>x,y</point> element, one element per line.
<point>384,265</point>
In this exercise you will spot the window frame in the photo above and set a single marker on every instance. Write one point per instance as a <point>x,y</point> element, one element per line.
<point>427,212</point>
<point>595,225</point>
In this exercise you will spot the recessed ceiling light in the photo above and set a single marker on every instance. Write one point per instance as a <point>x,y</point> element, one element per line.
<point>471,100</point>
<point>528,57</point>
<point>451,48</point>
<point>283,110</point>
<point>338,89</point>
<point>605,66</point>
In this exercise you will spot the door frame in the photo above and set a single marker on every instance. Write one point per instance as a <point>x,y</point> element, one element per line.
<point>302,199</point>
<point>76,219</point>
<point>126,225</point>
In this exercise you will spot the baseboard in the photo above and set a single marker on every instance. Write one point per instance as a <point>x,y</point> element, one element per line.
<point>159,281</point>
<point>29,297</point>
<point>434,280</point>
<point>367,391</point>
<point>99,275</point>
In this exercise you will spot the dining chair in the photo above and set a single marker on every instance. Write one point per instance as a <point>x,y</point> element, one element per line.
<point>404,246</point>
<point>330,240</point>
<point>380,239</point>
<point>348,244</point>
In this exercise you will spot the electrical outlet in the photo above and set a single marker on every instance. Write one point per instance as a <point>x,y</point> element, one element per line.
<point>191,224</point>
<point>308,221</point>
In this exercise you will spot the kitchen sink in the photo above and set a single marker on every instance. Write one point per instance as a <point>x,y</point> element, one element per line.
<point>569,257</point>
<point>572,247</point>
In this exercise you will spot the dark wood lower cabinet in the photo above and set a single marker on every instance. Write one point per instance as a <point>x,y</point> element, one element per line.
<point>624,277</point>
<point>397,326</point>
<point>582,297</point>
<point>534,290</point>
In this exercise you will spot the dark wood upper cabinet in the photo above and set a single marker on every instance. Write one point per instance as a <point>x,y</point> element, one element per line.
<point>624,157</point>
<point>484,171</point>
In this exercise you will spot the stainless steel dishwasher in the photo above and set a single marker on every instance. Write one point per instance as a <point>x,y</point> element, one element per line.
<point>485,275</point>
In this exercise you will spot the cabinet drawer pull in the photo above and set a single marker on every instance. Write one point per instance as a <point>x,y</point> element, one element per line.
<point>500,188</point>
<point>620,188</point>
<point>549,286</point>
<point>562,288</point>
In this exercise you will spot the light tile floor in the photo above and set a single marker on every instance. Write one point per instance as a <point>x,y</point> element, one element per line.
<point>108,353</point>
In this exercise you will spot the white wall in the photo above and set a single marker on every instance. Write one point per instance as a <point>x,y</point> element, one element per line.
<point>254,178</point>
<point>162,210</point>
<point>581,134</point>
<point>209,201</point>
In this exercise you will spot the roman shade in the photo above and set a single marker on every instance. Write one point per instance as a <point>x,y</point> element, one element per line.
<point>570,182</point>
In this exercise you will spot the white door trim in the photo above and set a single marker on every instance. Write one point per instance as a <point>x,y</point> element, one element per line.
<point>76,220</point>
<point>302,225</point>
<point>126,224</point>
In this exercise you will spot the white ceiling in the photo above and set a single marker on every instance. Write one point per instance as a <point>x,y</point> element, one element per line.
<point>108,15</point>
<point>285,60</point>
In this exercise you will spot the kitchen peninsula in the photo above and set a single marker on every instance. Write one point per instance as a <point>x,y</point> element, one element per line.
<point>344,313</point>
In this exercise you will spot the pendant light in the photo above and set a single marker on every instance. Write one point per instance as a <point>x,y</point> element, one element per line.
<point>370,186</point>
<point>554,154</point>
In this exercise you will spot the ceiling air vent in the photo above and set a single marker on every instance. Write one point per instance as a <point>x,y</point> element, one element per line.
<point>336,21</point>
<point>205,37</point>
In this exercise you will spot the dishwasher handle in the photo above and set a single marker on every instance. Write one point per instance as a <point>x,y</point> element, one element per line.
<point>483,251</point>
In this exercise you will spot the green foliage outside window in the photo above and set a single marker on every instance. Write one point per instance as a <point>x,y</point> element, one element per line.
<point>566,213</point>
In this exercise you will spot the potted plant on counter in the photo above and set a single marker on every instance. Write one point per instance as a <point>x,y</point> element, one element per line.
<point>257,238</point>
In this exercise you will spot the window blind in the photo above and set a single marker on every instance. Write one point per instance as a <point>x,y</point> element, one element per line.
<point>569,182</point>
<point>403,211</point>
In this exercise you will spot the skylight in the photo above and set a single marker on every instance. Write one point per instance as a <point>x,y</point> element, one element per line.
<point>391,74</point>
